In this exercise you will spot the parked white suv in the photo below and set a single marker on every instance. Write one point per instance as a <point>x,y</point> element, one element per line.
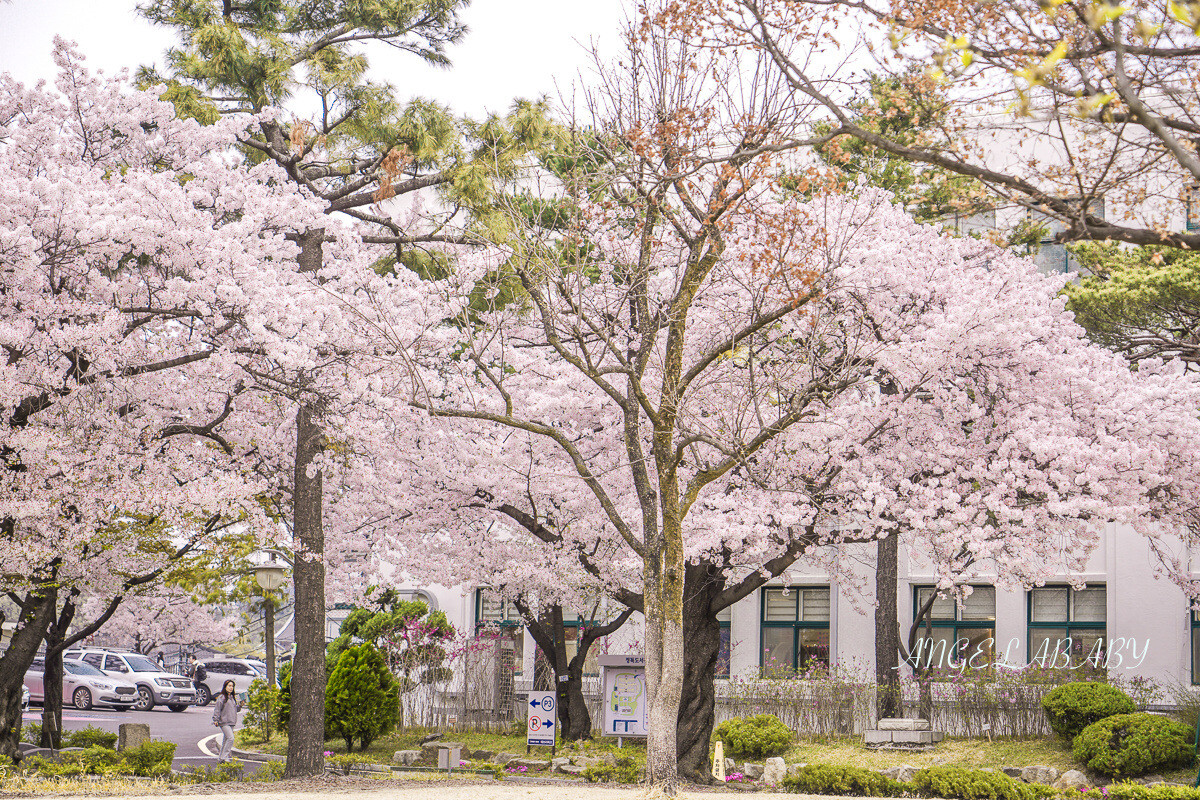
<point>242,671</point>
<point>154,686</point>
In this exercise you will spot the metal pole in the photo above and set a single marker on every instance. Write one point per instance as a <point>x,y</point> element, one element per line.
<point>269,637</point>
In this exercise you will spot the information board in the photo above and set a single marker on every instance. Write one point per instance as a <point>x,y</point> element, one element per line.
<point>543,715</point>
<point>625,707</point>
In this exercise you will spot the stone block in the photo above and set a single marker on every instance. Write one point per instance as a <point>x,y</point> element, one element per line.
<point>877,737</point>
<point>1039,774</point>
<point>1012,772</point>
<point>754,771</point>
<point>132,734</point>
<point>429,750</point>
<point>903,724</point>
<point>730,765</point>
<point>530,764</point>
<point>406,757</point>
<point>903,773</point>
<point>938,736</point>
<point>504,758</point>
<point>570,769</point>
<point>912,737</point>
<point>774,771</point>
<point>1072,779</point>
<point>482,755</point>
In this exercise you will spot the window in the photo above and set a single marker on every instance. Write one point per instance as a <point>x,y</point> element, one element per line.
<point>573,624</point>
<point>496,611</point>
<point>1195,617</point>
<point>957,633</point>
<point>724,616</point>
<point>795,628</point>
<point>95,659</point>
<point>1067,626</point>
<point>114,664</point>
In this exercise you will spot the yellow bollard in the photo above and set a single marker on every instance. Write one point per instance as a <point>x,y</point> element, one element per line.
<point>718,769</point>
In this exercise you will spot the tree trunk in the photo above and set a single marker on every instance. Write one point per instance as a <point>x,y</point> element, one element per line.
<point>664,572</point>
<point>702,648</point>
<point>22,649</point>
<point>887,628</point>
<point>577,725</point>
<point>306,724</point>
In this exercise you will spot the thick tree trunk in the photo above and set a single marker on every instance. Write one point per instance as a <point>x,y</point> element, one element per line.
<point>702,648</point>
<point>887,628</point>
<point>577,724</point>
<point>664,573</point>
<point>52,677</point>
<point>306,724</point>
<point>22,649</point>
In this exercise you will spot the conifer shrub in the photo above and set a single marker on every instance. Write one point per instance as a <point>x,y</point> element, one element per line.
<point>362,697</point>
<point>1073,706</point>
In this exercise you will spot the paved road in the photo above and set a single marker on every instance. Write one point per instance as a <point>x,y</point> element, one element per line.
<point>187,729</point>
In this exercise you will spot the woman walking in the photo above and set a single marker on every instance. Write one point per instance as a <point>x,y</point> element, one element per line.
<point>225,717</point>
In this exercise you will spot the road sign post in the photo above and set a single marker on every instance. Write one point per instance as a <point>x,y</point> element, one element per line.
<point>542,720</point>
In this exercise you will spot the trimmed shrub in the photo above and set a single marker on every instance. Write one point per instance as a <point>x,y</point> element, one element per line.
<point>1126,790</point>
<point>837,779</point>
<point>150,759</point>
<point>1128,745</point>
<point>1073,706</point>
<point>760,736</point>
<point>974,784</point>
<point>362,697</point>
<point>627,772</point>
<point>89,736</point>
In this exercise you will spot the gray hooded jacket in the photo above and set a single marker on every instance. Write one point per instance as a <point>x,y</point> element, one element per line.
<point>225,712</point>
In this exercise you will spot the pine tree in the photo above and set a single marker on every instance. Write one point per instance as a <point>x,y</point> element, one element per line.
<point>362,698</point>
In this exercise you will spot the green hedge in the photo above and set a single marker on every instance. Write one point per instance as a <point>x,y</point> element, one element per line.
<point>939,782</point>
<point>149,760</point>
<point>1135,791</point>
<point>1073,706</point>
<point>843,780</point>
<point>1129,745</point>
<point>760,736</point>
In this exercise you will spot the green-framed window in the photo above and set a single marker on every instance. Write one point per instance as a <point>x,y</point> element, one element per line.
<point>724,619</point>
<point>493,610</point>
<point>795,628</point>
<point>572,626</point>
<point>1191,205</point>
<point>957,632</point>
<point>1067,626</point>
<point>1194,616</point>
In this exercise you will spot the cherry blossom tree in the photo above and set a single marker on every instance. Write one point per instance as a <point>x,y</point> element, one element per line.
<point>158,330</point>
<point>164,617</point>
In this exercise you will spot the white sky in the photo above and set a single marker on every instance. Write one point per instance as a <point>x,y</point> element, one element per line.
<point>515,48</point>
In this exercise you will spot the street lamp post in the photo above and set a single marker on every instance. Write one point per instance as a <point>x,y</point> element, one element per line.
<point>270,573</point>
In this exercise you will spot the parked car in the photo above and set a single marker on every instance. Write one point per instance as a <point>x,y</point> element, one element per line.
<point>24,699</point>
<point>84,686</point>
<point>154,686</point>
<point>243,671</point>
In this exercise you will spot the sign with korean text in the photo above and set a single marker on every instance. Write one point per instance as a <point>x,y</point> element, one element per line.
<point>542,719</point>
<point>625,708</point>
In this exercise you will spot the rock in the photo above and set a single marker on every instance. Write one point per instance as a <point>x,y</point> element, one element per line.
<point>1012,772</point>
<point>1072,779</point>
<point>730,765</point>
<point>1039,774</point>
<point>570,769</point>
<point>429,750</point>
<point>482,755</point>
<point>609,759</point>
<point>774,771</point>
<point>1152,780</point>
<point>531,764</point>
<point>504,758</point>
<point>555,763</point>
<point>406,757</point>
<point>794,769</point>
<point>433,737</point>
<point>754,771</point>
<point>132,734</point>
<point>903,773</point>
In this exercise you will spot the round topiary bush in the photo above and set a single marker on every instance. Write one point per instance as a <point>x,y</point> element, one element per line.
<point>1128,745</point>
<point>755,737</point>
<point>1073,706</point>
